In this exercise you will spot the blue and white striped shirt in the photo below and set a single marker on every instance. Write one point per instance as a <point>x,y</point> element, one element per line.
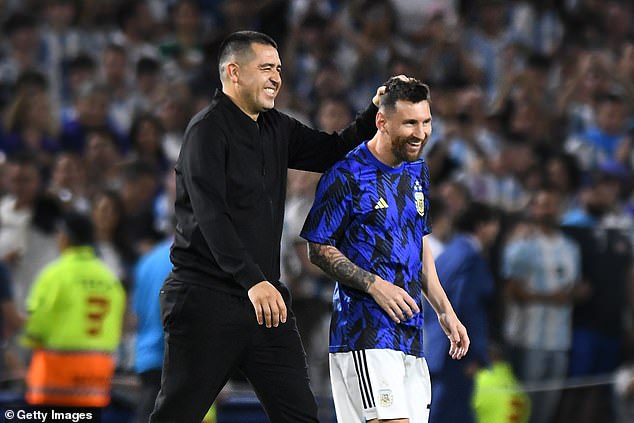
<point>545,264</point>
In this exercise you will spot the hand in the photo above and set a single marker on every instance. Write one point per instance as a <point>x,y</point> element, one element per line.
<point>381,90</point>
<point>268,304</point>
<point>394,300</point>
<point>457,334</point>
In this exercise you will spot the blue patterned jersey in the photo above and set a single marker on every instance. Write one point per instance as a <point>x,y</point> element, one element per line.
<point>376,216</point>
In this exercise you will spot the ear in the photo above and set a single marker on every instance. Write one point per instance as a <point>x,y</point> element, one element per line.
<point>233,72</point>
<point>381,122</point>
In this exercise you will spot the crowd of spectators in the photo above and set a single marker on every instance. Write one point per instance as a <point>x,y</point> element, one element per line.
<point>527,96</point>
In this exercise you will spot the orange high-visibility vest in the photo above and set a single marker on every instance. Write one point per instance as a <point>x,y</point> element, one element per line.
<point>67,378</point>
<point>76,309</point>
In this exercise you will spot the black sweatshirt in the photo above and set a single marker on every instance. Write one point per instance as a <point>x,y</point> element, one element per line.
<point>231,190</point>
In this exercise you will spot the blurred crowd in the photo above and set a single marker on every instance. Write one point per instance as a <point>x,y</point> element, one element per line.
<point>528,98</point>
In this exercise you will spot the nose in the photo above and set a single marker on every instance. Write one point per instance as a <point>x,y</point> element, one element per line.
<point>421,132</point>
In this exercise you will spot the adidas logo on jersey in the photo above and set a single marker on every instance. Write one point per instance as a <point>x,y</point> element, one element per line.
<point>381,204</point>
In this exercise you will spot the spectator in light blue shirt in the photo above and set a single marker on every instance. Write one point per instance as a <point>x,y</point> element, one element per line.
<point>149,276</point>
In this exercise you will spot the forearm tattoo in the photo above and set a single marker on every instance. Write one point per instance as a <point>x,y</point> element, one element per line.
<point>338,266</point>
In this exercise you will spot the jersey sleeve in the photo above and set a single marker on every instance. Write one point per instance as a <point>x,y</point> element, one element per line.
<point>330,214</point>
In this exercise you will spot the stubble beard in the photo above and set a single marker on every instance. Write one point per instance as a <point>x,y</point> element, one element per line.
<point>400,146</point>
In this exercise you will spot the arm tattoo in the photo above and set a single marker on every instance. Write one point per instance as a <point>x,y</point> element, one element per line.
<point>338,266</point>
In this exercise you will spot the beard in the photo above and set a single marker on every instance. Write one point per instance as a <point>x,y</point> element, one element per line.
<point>548,221</point>
<point>403,151</point>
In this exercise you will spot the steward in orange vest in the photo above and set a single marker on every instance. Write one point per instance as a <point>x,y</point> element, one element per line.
<point>76,309</point>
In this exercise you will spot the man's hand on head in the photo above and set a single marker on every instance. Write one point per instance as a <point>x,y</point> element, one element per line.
<point>381,90</point>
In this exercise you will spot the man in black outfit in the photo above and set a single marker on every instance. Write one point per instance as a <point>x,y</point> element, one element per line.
<point>223,306</point>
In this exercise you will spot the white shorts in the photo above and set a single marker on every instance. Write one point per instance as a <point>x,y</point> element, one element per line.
<point>380,384</point>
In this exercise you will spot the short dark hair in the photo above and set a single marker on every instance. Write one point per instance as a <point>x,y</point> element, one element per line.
<point>610,98</point>
<point>538,61</point>
<point>18,21</point>
<point>137,169</point>
<point>126,12</point>
<point>116,48</point>
<point>83,61</point>
<point>239,44</point>
<point>24,158</point>
<point>77,227</point>
<point>139,119</point>
<point>147,66</point>
<point>475,214</point>
<point>411,90</point>
<point>31,80</point>
<point>571,167</point>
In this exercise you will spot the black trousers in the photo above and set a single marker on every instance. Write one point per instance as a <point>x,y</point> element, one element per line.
<point>208,336</point>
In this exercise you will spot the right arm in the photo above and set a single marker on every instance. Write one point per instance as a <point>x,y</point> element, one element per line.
<point>313,150</point>
<point>577,291</point>
<point>395,301</point>
<point>517,269</point>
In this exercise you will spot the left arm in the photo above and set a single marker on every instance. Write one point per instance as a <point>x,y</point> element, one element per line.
<point>456,332</point>
<point>39,304</point>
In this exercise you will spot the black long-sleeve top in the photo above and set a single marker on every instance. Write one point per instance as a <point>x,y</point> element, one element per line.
<point>231,190</point>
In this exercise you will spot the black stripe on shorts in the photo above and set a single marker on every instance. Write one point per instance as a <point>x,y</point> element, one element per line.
<point>365,386</point>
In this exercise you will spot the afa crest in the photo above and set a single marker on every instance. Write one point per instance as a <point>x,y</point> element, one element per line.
<point>386,398</point>
<point>419,198</point>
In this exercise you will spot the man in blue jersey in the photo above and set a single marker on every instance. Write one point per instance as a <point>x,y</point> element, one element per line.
<point>367,230</point>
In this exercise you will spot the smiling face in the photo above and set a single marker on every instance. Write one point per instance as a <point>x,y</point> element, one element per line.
<point>545,208</point>
<point>105,213</point>
<point>407,128</point>
<point>256,80</point>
